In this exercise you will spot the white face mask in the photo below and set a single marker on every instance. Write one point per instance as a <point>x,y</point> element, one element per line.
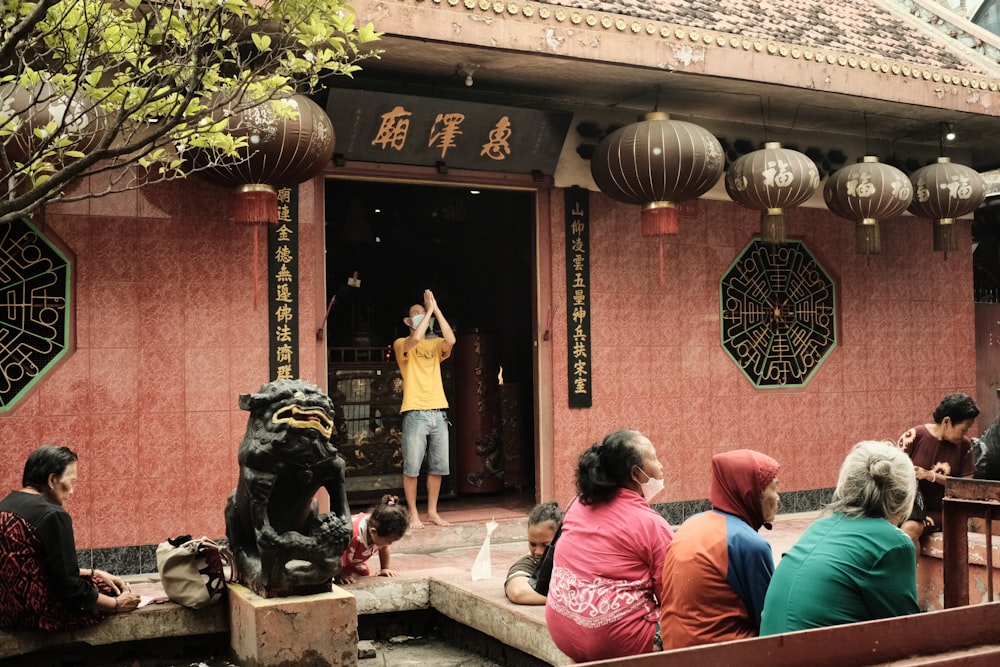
<point>651,486</point>
<point>416,319</point>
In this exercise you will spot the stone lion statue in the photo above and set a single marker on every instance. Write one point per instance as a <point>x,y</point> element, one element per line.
<point>282,545</point>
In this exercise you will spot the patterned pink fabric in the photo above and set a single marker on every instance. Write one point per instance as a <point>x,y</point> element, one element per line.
<point>603,599</point>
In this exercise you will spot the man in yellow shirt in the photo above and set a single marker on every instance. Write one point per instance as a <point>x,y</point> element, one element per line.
<point>425,424</point>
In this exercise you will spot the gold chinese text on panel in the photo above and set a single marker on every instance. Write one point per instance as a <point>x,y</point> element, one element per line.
<point>778,313</point>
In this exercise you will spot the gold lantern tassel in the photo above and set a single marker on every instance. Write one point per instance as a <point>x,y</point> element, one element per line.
<point>868,239</point>
<point>772,226</point>
<point>945,235</point>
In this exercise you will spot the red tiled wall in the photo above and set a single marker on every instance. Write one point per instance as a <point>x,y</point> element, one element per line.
<point>906,338</point>
<point>167,337</point>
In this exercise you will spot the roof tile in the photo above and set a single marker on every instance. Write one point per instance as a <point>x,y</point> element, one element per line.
<point>856,27</point>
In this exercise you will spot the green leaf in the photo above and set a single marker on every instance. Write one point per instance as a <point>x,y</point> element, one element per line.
<point>262,42</point>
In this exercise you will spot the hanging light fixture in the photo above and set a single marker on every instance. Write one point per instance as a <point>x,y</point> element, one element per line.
<point>945,191</point>
<point>770,180</point>
<point>657,163</point>
<point>866,192</point>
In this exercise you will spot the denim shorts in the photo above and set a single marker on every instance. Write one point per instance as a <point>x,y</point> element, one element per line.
<point>425,431</point>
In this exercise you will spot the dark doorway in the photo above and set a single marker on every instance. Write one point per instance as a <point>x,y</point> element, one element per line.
<point>474,247</point>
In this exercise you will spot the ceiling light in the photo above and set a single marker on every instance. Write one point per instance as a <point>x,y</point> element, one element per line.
<point>466,71</point>
<point>948,131</point>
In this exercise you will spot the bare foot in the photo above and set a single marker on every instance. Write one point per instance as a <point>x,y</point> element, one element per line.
<point>415,523</point>
<point>436,519</point>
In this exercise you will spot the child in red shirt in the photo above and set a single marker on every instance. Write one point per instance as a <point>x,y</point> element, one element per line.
<point>375,531</point>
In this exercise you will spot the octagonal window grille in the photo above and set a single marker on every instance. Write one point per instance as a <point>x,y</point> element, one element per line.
<point>779,320</point>
<point>34,309</point>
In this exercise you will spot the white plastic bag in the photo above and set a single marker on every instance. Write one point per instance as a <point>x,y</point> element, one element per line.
<point>482,568</point>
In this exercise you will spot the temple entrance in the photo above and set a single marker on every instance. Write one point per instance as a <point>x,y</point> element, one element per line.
<point>474,247</point>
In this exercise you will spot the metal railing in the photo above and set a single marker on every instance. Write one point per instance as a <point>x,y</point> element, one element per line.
<point>966,499</point>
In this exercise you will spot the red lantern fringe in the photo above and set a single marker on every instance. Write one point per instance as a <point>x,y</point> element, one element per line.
<point>658,218</point>
<point>663,279</point>
<point>256,205</point>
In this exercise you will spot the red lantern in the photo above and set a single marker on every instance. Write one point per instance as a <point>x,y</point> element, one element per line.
<point>945,191</point>
<point>658,163</point>
<point>770,180</point>
<point>78,120</point>
<point>290,140</point>
<point>865,192</point>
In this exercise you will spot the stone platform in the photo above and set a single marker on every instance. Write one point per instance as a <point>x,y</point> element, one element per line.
<point>298,630</point>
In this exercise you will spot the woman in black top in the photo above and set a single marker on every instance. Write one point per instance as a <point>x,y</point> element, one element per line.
<point>42,587</point>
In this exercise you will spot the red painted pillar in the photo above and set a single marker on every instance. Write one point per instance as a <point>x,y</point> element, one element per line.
<point>479,448</point>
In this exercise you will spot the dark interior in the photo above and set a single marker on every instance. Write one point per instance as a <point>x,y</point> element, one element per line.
<point>473,247</point>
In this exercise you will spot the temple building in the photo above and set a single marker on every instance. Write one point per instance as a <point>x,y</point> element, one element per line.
<point>575,182</point>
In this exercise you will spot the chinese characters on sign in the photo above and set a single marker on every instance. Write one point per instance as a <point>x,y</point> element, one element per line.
<point>445,132</point>
<point>383,127</point>
<point>778,313</point>
<point>283,270</point>
<point>579,365</point>
<point>35,321</point>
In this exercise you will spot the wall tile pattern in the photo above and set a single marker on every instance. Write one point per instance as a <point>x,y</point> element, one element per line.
<point>168,335</point>
<point>906,339</point>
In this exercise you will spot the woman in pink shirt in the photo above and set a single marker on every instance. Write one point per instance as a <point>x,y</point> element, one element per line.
<point>608,564</point>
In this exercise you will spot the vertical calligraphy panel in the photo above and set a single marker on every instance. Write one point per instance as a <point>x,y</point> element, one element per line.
<point>282,287</point>
<point>581,376</point>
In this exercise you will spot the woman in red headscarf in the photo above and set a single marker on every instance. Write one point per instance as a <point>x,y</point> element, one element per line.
<point>717,569</point>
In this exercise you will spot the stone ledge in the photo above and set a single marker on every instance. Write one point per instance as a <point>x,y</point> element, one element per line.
<point>484,607</point>
<point>480,605</point>
<point>383,595</point>
<point>151,622</point>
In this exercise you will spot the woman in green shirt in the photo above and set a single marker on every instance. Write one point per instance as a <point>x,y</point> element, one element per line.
<point>856,564</point>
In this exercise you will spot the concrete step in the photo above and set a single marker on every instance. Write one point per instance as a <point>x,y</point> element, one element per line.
<point>468,517</point>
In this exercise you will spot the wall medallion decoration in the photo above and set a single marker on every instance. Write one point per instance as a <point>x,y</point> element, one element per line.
<point>35,319</point>
<point>779,318</point>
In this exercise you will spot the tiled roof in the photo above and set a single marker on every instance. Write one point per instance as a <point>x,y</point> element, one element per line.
<point>859,27</point>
